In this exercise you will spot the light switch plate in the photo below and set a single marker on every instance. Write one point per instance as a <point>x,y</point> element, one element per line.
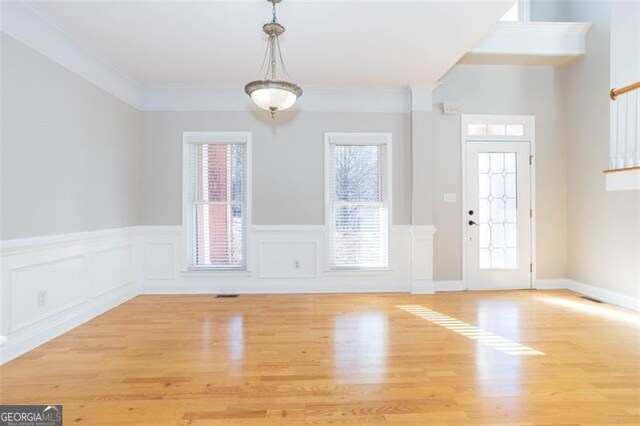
<point>450,198</point>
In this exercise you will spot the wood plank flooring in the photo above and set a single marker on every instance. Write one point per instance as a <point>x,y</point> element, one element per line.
<point>350,358</point>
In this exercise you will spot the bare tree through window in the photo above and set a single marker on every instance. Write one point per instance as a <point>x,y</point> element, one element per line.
<point>359,212</point>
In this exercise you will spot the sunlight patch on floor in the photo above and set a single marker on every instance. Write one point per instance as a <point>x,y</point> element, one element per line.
<point>470,331</point>
<point>604,311</point>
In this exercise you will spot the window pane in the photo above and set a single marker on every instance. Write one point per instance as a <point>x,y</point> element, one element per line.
<point>212,172</point>
<point>358,210</point>
<point>220,172</point>
<point>495,129</point>
<point>219,235</point>
<point>477,129</point>
<point>498,245</point>
<point>357,173</point>
<point>218,200</point>
<point>360,235</point>
<point>238,168</point>
<point>515,130</point>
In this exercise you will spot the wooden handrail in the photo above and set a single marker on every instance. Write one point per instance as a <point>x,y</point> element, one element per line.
<point>621,91</point>
<point>626,169</point>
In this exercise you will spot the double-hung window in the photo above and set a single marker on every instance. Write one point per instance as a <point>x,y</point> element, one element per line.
<point>358,199</point>
<point>216,194</point>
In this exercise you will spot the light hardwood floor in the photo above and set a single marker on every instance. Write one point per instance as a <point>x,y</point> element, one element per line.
<point>295,359</point>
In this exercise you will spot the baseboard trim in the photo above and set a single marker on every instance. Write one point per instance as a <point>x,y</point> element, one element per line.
<point>258,286</point>
<point>448,286</point>
<point>599,293</point>
<point>422,286</point>
<point>69,320</point>
<point>552,284</point>
<point>608,296</point>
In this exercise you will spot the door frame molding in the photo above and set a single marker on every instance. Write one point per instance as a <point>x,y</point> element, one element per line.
<point>529,122</point>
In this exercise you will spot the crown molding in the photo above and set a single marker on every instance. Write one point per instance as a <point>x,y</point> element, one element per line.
<point>24,22</point>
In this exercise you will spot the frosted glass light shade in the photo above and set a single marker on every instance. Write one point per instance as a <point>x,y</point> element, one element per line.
<point>273,95</point>
<point>273,99</point>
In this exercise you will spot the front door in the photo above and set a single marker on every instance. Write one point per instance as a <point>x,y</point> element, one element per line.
<point>498,215</point>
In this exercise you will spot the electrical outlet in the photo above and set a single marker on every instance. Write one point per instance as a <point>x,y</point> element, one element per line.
<point>42,299</point>
<point>296,264</point>
<point>3,340</point>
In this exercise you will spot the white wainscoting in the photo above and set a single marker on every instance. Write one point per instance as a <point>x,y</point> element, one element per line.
<point>84,275</point>
<point>288,259</point>
<point>55,283</point>
<point>421,259</point>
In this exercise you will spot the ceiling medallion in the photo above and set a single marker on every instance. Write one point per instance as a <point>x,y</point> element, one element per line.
<point>272,93</point>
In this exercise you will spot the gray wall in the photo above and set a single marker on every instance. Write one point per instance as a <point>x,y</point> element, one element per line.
<point>70,151</point>
<point>292,146</point>
<point>75,159</point>
<point>483,89</point>
<point>288,161</point>
<point>604,230</point>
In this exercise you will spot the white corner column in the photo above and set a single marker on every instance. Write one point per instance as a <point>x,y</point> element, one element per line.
<point>422,181</point>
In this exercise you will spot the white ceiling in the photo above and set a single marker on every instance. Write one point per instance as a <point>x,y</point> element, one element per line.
<point>327,43</point>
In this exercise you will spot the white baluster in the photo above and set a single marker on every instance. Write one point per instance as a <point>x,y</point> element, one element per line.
<point>630,146</point>
<point>621,132</point>
<point>613,138</point>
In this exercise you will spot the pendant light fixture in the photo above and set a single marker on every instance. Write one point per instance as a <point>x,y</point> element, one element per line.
<point>273,93</point>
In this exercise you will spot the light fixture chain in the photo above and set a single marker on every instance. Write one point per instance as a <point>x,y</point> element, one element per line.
<point>284,68</point>
<point>273,57</point>
<point>264,63</point>
<point>274,18</point>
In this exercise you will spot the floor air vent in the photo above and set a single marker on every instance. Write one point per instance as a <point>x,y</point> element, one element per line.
<point>226,296</point>
<point>591,299</point>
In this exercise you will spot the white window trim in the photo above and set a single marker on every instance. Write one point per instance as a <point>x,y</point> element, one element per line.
<point>529,122</point>
<point>194,138</point>
<point>356,138</point>
<point>524,10</point>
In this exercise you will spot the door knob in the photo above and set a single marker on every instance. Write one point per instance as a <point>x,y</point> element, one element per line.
<point>470,212</point>
<point>472,223</point>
